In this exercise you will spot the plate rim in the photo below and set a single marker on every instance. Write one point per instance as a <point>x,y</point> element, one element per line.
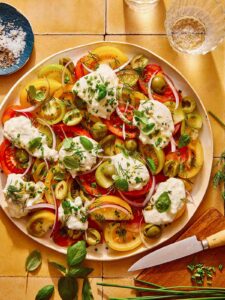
<point>139,251</point>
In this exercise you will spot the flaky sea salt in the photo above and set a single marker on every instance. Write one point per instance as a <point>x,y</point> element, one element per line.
<point>12,39</point>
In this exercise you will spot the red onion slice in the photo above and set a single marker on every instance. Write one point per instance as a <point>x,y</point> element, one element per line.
<point>28,167</point>
<point>141,235</point>
<point>150,193</point>
<point>122,117</point>
<point>43,122</point>
<point>132,203</point>
<point>149,86</point>
<point>171,85</point>
<point>41,206</point>
<point>124,131</point>
<point>28,109</point>
<point>109,206</point>
<point>190,197</point>
<point>173,144</point>
<point>64,70</point>
<point>56,213</point>
<point>115,70</point>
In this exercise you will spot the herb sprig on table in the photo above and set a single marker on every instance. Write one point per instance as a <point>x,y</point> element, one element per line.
<point>219,176</point>
<point>67,283</point>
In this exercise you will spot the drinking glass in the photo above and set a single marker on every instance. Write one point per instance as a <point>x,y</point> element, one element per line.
<point>141,5</point>
<point>195,26</point>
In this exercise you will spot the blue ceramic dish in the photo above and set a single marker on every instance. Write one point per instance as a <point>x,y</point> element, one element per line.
<point>9,14</point>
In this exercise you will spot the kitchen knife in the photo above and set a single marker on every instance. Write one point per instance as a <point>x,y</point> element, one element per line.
<point>178,250</point>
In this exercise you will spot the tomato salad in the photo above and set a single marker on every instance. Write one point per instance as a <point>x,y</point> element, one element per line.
<point>104,150</point>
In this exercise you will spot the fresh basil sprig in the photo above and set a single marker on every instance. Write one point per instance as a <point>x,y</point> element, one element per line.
<point>45,293</point>
<point>33,261</point>
<point>67,284</point>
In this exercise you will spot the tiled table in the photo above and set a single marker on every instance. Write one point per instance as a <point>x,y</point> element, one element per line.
<point>59,25</point>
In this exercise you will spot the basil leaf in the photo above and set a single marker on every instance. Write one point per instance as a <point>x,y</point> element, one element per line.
<point>86,143</point>
<point>151,165</point>
<point>68,144</point>
<point>86,290</point>
<point>71,162</point>
<point>31,92</point>
<point>67,288</point>
<point>40,96</point>
<point>121,184</point>
<point>33,261</point>
<point>45,293</point>
<point>79,272</point>
<point>163,203</point>
<point>184,140</point>
<point>76,253</point>
<point>58,266</point>
<point>35,144</point>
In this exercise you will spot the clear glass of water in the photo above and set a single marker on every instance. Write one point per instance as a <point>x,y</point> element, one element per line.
<point>195,26</point>
<point>141,5</point>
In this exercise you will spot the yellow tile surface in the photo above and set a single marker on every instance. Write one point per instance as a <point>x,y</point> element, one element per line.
<point>35,284</point>
<point>45,45</point>
<point>68,16</point>
<point>204,72</point>
<point>121,19</point>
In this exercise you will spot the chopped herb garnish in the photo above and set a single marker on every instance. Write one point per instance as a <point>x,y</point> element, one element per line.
<point>68,144</point>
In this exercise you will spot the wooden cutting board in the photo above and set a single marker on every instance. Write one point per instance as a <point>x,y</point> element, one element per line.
<point>176,273</point>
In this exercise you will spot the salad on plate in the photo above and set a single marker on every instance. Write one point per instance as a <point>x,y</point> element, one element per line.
<point>103,150</point>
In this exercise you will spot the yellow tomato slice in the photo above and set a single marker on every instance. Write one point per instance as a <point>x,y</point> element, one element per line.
<point>120,237</point>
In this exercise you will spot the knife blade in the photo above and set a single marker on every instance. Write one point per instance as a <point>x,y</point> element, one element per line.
<point>178,250</point>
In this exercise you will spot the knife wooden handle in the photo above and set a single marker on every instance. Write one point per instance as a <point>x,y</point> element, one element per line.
<point>216,240</point>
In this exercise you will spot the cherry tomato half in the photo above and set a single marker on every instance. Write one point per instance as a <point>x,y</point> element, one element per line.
<point>79,70</point>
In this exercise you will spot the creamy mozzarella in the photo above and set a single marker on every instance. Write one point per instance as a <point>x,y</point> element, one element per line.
<point>22,134</point>
<point>21,194</point>
<point>134,171</point>
<point>99,90</point>
<point>83,159</point>
<point>155,123</point>
<point>176,192</point>
<point>74,215</point>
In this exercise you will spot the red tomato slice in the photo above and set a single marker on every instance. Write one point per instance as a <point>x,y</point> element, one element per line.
<point>61,238</point>
<point>90,186</point>
<point>149,70</point>
<point>8,161</point>
<point>79,70</point>
<point>141,192</point>
<point>11,113</point>
<point>115,124</point>
<point>62,130</point>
